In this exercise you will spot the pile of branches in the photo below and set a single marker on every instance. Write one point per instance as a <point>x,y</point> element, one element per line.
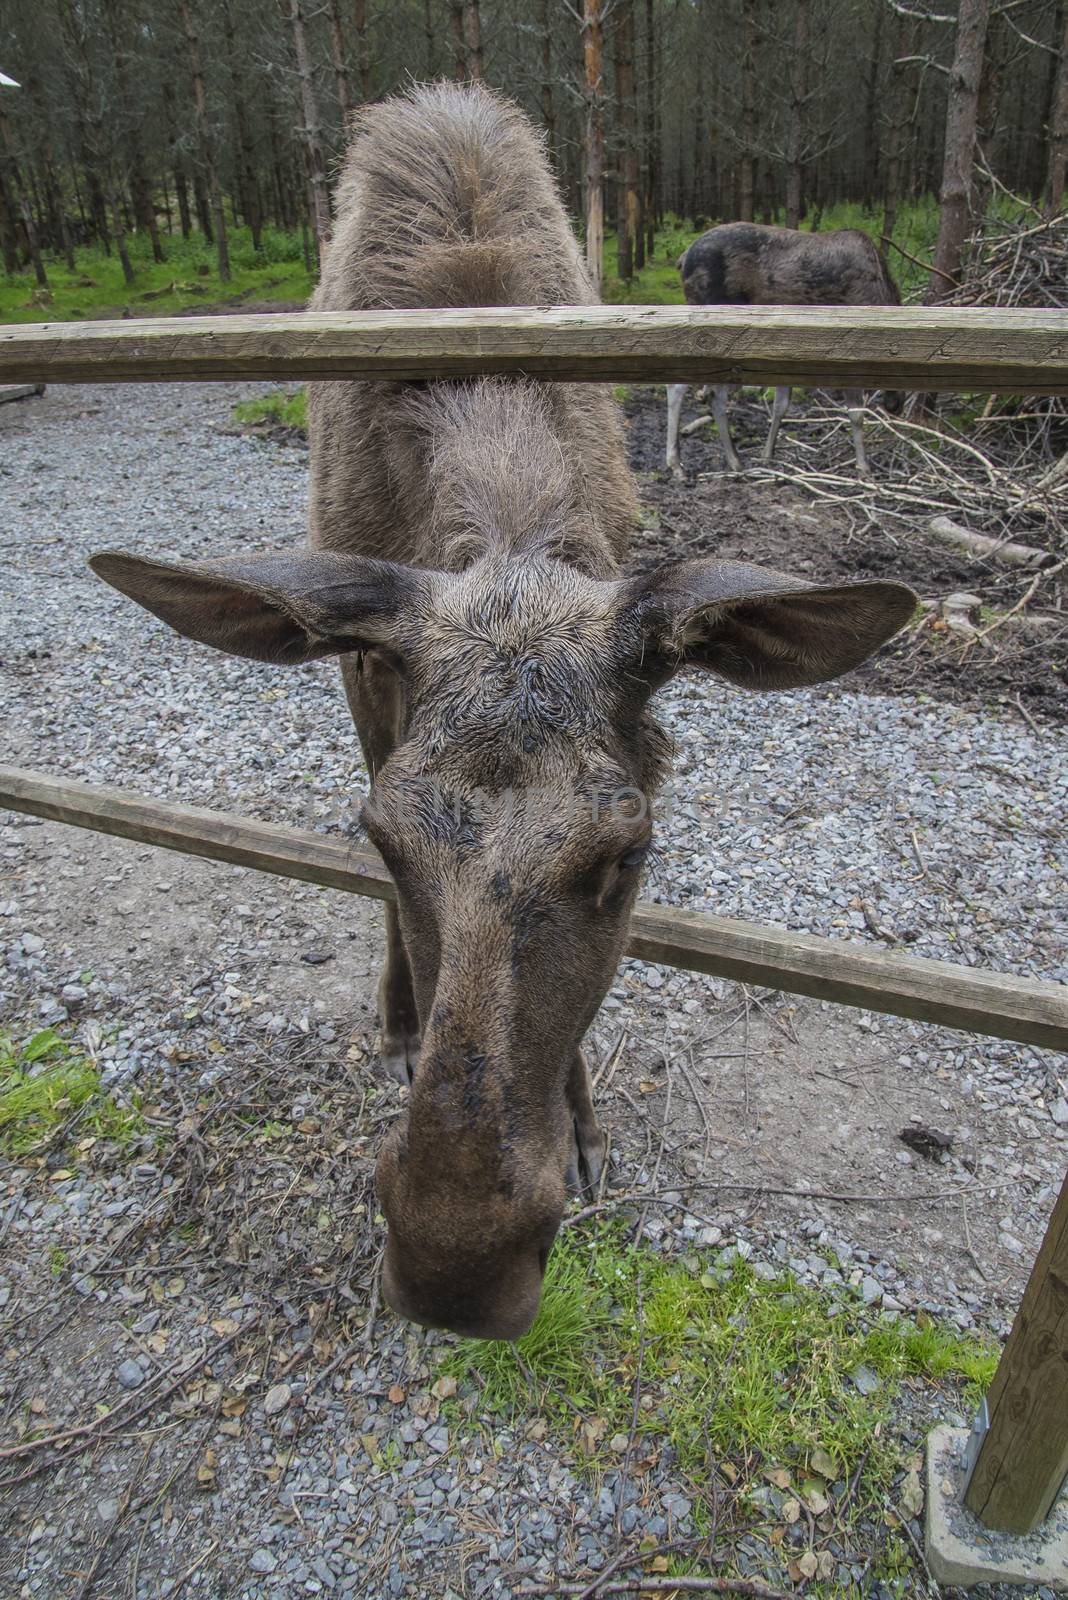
<point>995,464</point>
<point>1018,262</point>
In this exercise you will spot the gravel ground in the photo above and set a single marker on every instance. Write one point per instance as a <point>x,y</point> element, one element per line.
<point>941,828</point>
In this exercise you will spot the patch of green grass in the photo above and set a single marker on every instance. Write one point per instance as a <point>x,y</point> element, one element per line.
<point>734,1368</point>
<point>281,409</point>
<point>188,279</point>
<point>57,1261</point>
<point>658,283</point>
<point>43,1084</point>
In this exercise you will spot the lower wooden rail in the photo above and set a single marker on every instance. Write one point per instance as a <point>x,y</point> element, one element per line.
<point>1007,1007</point>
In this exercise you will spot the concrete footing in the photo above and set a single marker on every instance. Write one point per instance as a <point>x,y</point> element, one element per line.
<point>961,1552</point>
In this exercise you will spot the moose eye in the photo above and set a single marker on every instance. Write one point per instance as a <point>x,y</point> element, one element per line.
<point>634,858</point>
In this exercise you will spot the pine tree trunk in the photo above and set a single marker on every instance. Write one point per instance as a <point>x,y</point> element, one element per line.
<point>20,204</point>
<point>795,129</point>
<point>627,201</point>
<point>548,107</point>
<point>207,153</point>
<point>430,35</point>
<point>8,232</point>
<point>473,39</point>
<point>959,153</point>
<point>248,181</point>
<point>313,142</point>
<point>897,117</point>
<point>651,206</point>
<point>593,58</point>
<point>747,159</point>
<point>1057,156</point>
<point>871,141</point>
<point>119,230</point>
<point>459,49</point>
<point>337,58</point>
<point>181,182</point>
<point>144,207</point>
<point>363,51</point>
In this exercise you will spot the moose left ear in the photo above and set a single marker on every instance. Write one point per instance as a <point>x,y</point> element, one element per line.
<point>758,628</point>
<point>285,608</point>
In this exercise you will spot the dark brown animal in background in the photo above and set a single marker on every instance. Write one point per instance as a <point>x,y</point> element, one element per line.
<point>466,566</point>
<point>747,264</point>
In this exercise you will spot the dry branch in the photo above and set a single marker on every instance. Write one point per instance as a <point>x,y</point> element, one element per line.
<point>984,548</point>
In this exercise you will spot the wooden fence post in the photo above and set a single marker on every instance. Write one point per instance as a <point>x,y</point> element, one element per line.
<point>1023,1459</point>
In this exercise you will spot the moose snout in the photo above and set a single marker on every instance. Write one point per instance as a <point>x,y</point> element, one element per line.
<point>497,1302</point>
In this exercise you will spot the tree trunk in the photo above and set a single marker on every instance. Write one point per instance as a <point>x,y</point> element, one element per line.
<point>8,236</point>
<point>459,49</point>
<point>144,206</point>
<point>431,39</point>
<point>473,39</point>
<point>248,181</point>
<point>795,129</point>
<point>897,119</point>
<point>697,156</point>
<point>119,230</point>
<point>871,139</point>
<point>1057,157</point>
<point>747,130</point>
<point>651,205</point>
<point>313,142</point>
<point>363,51</point>
<point>18,199</point>
<point>959,154</point>
<point>207,153</point>
<point>627,201</point>
<point>337,57</point>
<point>593,57</point>
<point>548,107</point>
<point>181,182</point>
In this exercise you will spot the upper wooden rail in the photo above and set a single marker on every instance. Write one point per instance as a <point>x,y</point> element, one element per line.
<point>830,969</point>
<point>902,347</point>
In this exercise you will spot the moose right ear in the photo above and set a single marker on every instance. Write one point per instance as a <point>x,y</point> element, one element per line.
<point>279,608</point>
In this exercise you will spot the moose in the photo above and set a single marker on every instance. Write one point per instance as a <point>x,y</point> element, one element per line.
<point>466,564</point>
<point>746,263</point>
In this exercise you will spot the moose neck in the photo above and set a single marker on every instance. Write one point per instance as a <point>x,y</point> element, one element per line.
<point>499,482</point>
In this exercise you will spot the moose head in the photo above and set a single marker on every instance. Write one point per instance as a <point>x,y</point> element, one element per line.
<point>514,813</point>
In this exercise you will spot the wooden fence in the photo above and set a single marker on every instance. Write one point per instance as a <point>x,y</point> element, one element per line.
<point>1024,352</point>
<point>1022,1461</point>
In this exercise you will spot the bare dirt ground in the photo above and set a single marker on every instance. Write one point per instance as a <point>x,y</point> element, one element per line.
<point>247,1003</point>
<point>715,512</point>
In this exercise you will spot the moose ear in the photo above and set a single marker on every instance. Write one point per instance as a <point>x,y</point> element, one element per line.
<point>280,608</point>
<point>760,629</point>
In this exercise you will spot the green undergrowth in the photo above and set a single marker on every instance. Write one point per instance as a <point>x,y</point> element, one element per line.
<point>761,1384</point>
<point>188,280</point>
<point>281,408</point>
<point>46,1085</point>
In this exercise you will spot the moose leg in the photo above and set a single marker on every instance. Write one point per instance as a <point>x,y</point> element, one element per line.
<point>676,394</point>
<point>778,411</point>
<point>376,700</point>
<point>587,1162</point>
<point>719,411</point>
<point>855,411</point>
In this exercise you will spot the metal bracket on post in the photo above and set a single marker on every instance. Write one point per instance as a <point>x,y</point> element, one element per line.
<point>974,1443</point>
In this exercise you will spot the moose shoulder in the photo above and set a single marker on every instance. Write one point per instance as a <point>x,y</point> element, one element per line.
<point>467,542</point>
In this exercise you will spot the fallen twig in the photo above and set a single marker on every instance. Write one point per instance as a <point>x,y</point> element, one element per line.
<point>646,1584</point>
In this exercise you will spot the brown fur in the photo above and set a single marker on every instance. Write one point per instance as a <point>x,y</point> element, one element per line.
<point>446,200</point>
<point>499,681</point>
<point>746,263</point>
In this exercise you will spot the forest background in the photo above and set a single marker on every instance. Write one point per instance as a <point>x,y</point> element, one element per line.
<point>161,156</point>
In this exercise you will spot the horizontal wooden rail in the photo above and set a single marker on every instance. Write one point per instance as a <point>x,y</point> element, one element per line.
<point>902,347</point>
<point>829,969</point>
